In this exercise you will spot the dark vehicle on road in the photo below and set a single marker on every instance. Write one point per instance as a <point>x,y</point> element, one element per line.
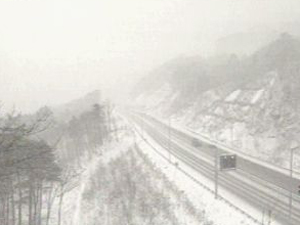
<point>196,142</point>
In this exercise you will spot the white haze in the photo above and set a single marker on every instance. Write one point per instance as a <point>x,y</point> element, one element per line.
<point>52,51</point>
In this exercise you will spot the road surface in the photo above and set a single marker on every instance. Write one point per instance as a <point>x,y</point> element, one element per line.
<point>258,185</point>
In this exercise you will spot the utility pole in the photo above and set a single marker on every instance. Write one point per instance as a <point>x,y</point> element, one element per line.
<point>291,188</point>
<point>216,171</point>
<point>293,148</point>
<point>143,127</point>
<point>169,135</point>
<point>270,217</point>
<point>134,138</point>
<point>263,217</point>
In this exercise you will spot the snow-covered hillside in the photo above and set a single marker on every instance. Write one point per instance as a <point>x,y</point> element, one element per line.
<point>257,116</point>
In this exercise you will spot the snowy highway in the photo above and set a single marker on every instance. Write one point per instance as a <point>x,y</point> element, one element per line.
<point>259,186</point>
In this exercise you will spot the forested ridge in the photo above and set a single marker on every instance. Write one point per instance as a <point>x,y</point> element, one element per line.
<point>193,75</point>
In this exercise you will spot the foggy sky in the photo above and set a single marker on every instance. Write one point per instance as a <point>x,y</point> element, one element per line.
<point>52,51</point>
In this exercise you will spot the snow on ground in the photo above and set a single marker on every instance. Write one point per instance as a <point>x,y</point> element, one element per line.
<point>188,192</point>
<point>179,199</point>
<point>233,149</point>
<point>199,189</point>
<point>228,116</point>
<point>148,196</point>
<point>160,100</point>
<point>110,151</point>
<point>73,198</point>
<point>231,97</point>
